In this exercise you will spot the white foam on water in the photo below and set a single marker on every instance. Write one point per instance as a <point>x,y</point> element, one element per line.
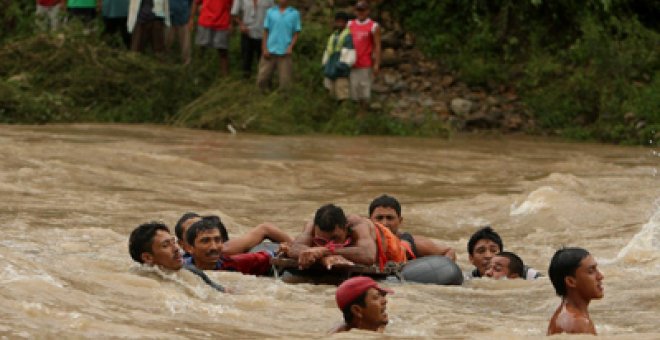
<point>644,247</point>
<point>9,274</point>
<point>536,200</point>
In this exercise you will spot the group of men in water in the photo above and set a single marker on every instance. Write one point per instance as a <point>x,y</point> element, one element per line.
<point>334,239</point>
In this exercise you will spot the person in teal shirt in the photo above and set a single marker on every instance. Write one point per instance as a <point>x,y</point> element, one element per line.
<point>85,10</point>
<point>281,28</point>
<point>115,17</point>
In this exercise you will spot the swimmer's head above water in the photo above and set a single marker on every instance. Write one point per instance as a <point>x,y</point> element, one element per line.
<point>386,210</point>
<point>330,226</point>
<point>151,243</point>
<point>575,276</point>
<point>482,246</point>
<point>505,265</point>
<point>363,303</point>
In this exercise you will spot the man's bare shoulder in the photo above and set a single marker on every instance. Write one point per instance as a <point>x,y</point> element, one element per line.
<point>567,320</point>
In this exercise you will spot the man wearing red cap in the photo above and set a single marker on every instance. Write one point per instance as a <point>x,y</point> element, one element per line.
<point>363,303</point>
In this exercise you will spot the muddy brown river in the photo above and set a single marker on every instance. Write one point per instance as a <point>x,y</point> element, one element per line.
<point>71,194</point>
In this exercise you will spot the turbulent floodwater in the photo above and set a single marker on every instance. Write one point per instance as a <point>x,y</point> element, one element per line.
<point>71,195</point>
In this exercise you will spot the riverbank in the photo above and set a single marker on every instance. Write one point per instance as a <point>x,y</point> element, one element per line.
<point>77,77</point>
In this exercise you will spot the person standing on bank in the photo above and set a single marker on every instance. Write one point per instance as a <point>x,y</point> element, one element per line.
<point>115,16</point>
<point>146,21</point>
<point>338,58</point>
<point>249,16</point>
<point>213,28</point>
<point>85,10</point>
<point>179,31</point>
<point>366,39</point>
<point>281,28</point>
<point>48,14</point>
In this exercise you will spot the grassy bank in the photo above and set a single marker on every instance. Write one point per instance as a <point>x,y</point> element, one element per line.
<point>586,69</point>
<point>72,76</point>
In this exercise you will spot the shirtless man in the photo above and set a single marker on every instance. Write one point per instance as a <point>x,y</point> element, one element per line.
<point>505,265</point>
<point>152,244</point>
<point>332,238</point>
<point>238,245</point>
<point>387,211</point>
<point>574,274</point>
<point>363,304</point>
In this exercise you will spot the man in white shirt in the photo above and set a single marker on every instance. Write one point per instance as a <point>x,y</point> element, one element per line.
<point>249,16</point>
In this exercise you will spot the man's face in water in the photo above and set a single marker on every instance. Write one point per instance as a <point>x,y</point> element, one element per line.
<point>164,252</point>
<point>498,268</point>
<point>374,312</point>
<point>207,249</point>
<point>588,280</point>
<point>484,250</point>
<point>387,217</point>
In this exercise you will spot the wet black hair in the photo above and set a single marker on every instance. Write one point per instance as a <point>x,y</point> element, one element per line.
<point>329,216</point>
<point>206,223</point>
<point>178,229</point>
<point>516,264</point>
<point>564,263</point>
<point>484,233</point>
<point>142,239</point>
<point>385,201</point>
<point>360,301</point>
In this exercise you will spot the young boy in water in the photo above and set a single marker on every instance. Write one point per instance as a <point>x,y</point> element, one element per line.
<point>575,276</point>
<point>386,210</point>
<point>505,265</point>
<point>483,245</point>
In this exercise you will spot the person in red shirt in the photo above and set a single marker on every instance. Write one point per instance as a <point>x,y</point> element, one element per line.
<point>366,39</point>
<point>48,12</point>
<point>213,28</point>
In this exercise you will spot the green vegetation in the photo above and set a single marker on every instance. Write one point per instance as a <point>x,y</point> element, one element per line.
<point>72,76</point>
<point>586,69</point>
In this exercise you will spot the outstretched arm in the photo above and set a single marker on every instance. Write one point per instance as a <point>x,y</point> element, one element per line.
<point>426,247</point>
<point>254,237</point>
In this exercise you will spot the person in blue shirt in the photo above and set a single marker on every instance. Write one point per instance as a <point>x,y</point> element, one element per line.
<point>281,29</point>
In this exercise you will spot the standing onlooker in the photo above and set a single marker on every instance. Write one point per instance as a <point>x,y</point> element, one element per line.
<point>115,16</point>
<point>147,20</point>
<point>366,38</point>
<point>338,58</point>
<point>85,10</point>
<point>213,28</point>
<point>48,12</point>
<point>179,18</point>
<point>249,15</point>
<point>281,28</point>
